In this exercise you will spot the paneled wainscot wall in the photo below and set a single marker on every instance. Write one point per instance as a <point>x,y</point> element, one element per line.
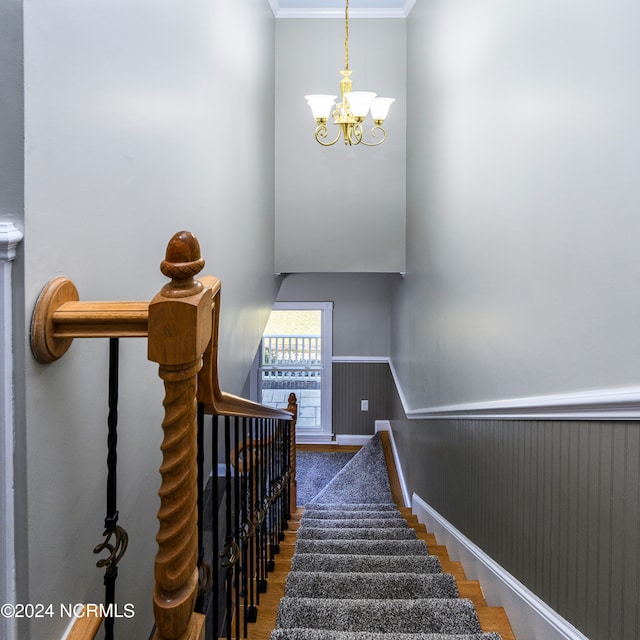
<point>354,381</point>
<point>556,503</point>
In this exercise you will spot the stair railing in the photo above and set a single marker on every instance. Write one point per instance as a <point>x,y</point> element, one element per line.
<point>181,324</point>
<point>260,489</point>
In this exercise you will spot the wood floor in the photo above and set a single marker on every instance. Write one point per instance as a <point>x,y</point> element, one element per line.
<point>491,618</point>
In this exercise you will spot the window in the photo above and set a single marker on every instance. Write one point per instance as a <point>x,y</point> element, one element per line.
<point>295,356</point>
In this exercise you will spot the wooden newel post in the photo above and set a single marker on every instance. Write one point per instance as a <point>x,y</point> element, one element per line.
<point>180,326</point>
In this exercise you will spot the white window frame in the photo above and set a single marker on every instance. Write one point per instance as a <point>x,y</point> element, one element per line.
<point>324,433</point>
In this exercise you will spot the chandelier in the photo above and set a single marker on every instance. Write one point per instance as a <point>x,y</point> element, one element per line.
<point>349,114</point>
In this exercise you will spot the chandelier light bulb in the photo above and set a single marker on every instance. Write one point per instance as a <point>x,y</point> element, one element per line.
<point>359,102</point>
<point>321,105</point>
<point>380,108</point>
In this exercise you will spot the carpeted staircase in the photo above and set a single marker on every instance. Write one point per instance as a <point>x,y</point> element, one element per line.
<point>359,572</point>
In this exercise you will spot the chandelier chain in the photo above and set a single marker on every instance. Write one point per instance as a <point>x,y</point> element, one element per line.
<point>346,34</point>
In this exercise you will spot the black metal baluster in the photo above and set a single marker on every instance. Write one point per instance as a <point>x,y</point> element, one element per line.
<point>203,567</point>
<point>229,552</point>
<point>274,492</point>
<point>281,478</point>
<point>262,536</point>
<point>287,457</point>
<point>251,612</point>
<point>272,518</point>
<point>118,547</point>
<point>253,516</point>
<point>215,591</point>
<point>280,447</point>
<point>276,487</point>
<point>236,524</point>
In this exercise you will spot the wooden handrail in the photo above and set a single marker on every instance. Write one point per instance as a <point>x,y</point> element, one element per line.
<point>86,627</point>
<point>101,320</point>
<point>218,402</point>
<point>60,316</point>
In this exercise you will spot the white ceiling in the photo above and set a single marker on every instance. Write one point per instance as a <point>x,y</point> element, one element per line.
<point>335,8</point>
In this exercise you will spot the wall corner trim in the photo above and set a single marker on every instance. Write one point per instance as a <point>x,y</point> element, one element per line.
<point>275,7</point>
<point>621,403</point>
<point>10,238</point>
<point>529,616</point>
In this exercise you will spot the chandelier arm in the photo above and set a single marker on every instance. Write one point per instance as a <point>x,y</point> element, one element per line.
<point>374,134</point>
<point>322,132</point>
<point>355,134</point>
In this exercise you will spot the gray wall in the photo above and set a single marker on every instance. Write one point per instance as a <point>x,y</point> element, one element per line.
<point>522,198</point>
<point>361,313</point>
<point>522,275</point>
<point>339,208</point>
<point>361,335</point>
<point>11,122</point>
<point>128,108</point>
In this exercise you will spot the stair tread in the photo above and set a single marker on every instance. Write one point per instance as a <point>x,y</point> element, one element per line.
<point>349,523</point>
<point>351,514</point>
<point>441,615</point>
<point>370,585</point>
<point>363,547</point>
<point>417,564</point>
<point>326,634</point>
<point>356,533</point>
<point>362,506</point>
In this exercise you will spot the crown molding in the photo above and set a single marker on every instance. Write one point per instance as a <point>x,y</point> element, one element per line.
<point>326,12</point>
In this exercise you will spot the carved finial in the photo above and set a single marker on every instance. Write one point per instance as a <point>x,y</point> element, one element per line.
<point>182,262</point>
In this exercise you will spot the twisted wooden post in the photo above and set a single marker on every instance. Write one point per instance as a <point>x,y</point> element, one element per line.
<point>180,324</point>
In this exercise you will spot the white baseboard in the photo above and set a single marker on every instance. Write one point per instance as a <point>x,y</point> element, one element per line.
<point>311,438</point>
<point>530,617</point>
<point>351,440</point>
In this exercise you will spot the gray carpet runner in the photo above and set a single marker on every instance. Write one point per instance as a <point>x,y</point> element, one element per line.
<point>359,572</point>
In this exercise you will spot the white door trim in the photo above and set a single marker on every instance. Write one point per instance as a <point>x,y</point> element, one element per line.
<point>325,433</point>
